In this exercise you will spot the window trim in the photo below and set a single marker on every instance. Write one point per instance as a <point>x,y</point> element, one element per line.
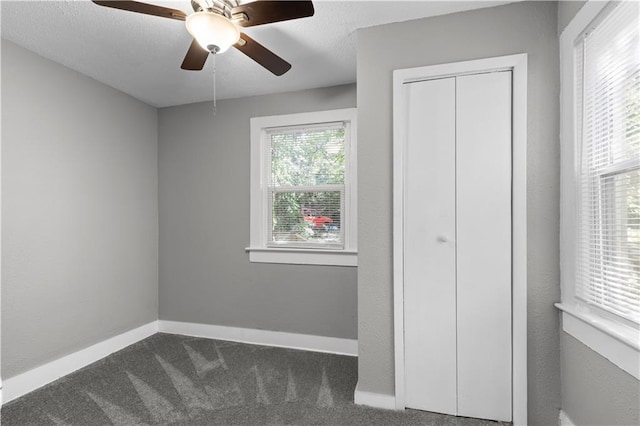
<point>259,249</point>
<point>615,340</point>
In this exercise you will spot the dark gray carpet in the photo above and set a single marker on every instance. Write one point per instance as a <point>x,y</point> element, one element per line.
<point>178,380</point>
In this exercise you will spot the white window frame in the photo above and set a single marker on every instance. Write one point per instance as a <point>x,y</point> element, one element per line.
<point>615,340</point>
<point>259,249</point>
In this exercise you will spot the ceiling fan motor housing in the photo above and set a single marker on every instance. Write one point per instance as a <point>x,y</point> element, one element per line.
<point>221,7</point>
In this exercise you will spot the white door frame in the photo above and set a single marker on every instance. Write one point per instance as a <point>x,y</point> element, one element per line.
<point>518,65</point>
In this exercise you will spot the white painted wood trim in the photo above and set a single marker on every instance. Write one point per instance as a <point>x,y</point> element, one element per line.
<point>281,339</point>
<point>258,250</point>
<point>564,420</point>
<point>399,114</point>
<point>615,342</point>
<point>31,380</point>
<point>518,65</point>
<point>0,235</point>
<point>303,256</point>
<point>519,239</point>
<point>376,400</point>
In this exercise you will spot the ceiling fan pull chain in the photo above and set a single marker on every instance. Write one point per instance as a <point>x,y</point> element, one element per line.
<point>214,84</point>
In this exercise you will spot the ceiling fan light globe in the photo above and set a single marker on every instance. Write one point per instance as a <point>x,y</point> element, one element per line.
<point>211,29</point>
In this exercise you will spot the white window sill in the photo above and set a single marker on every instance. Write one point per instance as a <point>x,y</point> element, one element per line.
<point>298,256</point>
<point>618,343</point>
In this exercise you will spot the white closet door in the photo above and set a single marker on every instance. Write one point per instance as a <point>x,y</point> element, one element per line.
<point>457,246</point>
<point>483,182</point>
<point>429,269</point>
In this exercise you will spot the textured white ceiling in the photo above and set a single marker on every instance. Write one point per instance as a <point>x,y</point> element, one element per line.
<point>141,55</point>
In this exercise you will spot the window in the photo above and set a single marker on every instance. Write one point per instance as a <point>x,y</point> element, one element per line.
<point>303,182</point>
<point>601,180</point>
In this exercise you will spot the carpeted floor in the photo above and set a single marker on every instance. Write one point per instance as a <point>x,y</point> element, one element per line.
<point>178,380</point>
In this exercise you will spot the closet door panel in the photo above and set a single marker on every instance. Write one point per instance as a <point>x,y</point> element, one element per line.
<point>429,239</point>
<point>483,199</point>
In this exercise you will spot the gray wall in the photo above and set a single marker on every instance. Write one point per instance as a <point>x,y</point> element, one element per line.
<point>527,27</point>
<point>566,11</point>
<point>205,273</point>
<point>594,390</point>
<point>79,211</point>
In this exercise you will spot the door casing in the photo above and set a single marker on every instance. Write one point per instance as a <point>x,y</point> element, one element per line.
<point>518,65</point>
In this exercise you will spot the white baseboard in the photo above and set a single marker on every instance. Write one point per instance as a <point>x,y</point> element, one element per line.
<point>564,420</point>
<point>31,380</point>
<point>376,400</point>
<point>15,387</point>
<point>304,342</point>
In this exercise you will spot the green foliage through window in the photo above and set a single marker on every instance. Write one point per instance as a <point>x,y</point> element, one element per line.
<point>307,185</point>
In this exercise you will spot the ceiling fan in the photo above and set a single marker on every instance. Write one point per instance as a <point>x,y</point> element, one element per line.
<point>215,24</point>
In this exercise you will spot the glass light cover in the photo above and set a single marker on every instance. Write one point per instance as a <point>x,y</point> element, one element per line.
<point>211,29</point>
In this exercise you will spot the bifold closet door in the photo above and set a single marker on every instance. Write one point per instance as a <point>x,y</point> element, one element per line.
<point>430,268</point>
<point>457,245</point>
<point>483,255</point>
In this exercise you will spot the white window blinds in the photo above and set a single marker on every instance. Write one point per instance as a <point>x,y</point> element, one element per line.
<point>608,129</point>
<point>306,188</point>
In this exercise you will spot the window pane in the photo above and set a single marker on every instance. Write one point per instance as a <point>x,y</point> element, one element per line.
<point>307,157</point>
<point>608,252</point>
<point>307,218</point>
<point>614,281</point>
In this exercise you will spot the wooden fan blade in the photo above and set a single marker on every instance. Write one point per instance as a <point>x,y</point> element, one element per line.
<point>144,8</point>
<point>262,55</point>
<point>195,58</point>
<point>265,12</point>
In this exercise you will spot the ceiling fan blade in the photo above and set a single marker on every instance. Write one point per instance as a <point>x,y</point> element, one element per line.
<point>265,12</point>
<point>195,58</point>
<point>262,55</point>
<point>144,8</point>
